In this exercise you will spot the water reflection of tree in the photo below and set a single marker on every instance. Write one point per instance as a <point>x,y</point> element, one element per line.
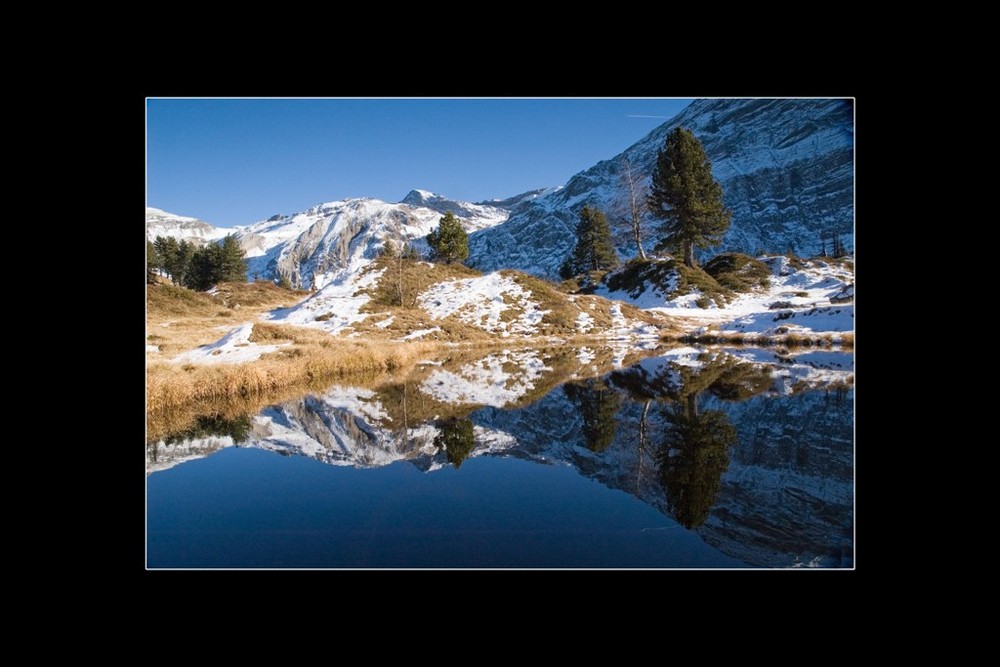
<point>456,439</point>
<point>694,453</point>
<point>692,459</point>
<point>598,406</point>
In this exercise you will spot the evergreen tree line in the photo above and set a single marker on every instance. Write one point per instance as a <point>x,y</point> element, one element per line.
<point>195,267</point>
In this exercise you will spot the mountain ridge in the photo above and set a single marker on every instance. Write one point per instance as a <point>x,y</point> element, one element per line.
<point>786,166</point>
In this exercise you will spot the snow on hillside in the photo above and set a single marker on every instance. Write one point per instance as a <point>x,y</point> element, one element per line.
<point>234,347</point>
<point>817,298</point>
<point>335,307</point>
<point>329,242</point>
<point>474,216</point>
<point>786,167</point>
<point>481,301</point>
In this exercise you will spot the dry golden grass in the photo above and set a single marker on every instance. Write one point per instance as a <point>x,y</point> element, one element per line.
<point>412,278</point>
<point>403,280</point>
<point>180,397</point>
<point>178,418</point>
<point>179,319</point>
<point>169,386</point>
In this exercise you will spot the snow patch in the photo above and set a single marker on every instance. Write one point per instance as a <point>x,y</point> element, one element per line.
<point>481,301</point>
<point>338,304</point>
<point>234,347</point>
<point>419,333</point>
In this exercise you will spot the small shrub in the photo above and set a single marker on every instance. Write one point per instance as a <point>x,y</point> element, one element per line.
<point>738,272</point>
<point>324,317</point>
<point>703,302</point>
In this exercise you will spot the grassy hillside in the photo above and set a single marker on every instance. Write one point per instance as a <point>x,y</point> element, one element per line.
<point>455,303</point>
<point>179,319</point>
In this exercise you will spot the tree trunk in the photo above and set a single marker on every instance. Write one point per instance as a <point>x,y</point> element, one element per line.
<point>635,206</point>
<point>692,405</point>
<point>642,439</point>
<point>638,241</point>
<point>689,255</point>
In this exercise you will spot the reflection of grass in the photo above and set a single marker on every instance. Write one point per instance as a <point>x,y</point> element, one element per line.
<point>178,397</point>
<point>845,340</point>
<point>175,419</point>
<point>315,357</point>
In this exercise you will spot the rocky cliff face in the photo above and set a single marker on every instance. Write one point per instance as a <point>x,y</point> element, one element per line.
<point>786,166</point>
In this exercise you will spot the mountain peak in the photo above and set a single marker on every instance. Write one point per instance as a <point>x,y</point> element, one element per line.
<point>418,197</point>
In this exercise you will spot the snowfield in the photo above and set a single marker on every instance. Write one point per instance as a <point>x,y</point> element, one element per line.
<point>814,300</point>
<point>339,303</point>
<point>481,301</point>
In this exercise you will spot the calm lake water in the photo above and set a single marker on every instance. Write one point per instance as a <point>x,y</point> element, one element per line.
<point>563,458</point>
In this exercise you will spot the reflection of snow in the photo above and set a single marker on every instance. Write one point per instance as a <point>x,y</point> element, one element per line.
<point>489,381</point>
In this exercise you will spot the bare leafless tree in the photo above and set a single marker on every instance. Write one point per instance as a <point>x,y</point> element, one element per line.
<point>634,195</point>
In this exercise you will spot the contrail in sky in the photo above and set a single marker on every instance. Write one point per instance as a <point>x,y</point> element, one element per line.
<point>636,115</point>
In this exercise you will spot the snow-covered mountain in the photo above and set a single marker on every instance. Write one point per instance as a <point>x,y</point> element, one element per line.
<point>784,496</point>
<point>182,228</point>
<point>786,167</point>
<point>332,241</point>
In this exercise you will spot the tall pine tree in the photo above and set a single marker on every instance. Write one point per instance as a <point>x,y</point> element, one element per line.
<point>231,260</point>
<point>594,250</point>
<point>686,198</point>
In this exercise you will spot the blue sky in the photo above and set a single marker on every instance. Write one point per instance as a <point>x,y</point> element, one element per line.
<point>233,162</point>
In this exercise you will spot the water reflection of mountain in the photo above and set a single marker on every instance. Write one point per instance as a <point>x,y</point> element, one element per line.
<point>752,449</point>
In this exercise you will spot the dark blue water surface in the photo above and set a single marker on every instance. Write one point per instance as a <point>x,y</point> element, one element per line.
<point>251,508</point>
<point>687,459</point>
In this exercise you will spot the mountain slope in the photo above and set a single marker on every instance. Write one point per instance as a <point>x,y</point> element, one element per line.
<point>333,241</point>
<point>182,228</point>
<point>786,167</point>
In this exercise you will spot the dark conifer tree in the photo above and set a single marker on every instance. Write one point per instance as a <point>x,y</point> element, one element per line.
<point>686,198</point>
<point>449,242</point>
<point>594,249</point>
